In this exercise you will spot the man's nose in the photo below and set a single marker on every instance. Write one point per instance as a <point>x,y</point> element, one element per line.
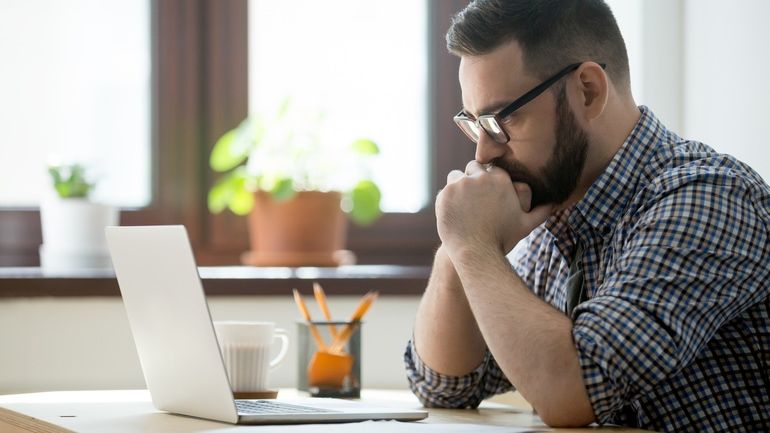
<point>487,149</point>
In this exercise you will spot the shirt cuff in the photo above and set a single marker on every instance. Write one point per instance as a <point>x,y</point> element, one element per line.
<point>434,389</point>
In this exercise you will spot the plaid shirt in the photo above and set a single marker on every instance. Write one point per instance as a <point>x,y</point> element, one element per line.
<point>675,334</point>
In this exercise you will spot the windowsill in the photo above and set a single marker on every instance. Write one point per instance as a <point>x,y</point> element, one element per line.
<point>25,282</point>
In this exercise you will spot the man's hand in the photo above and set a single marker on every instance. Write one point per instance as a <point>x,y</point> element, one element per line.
<point>483,208</point>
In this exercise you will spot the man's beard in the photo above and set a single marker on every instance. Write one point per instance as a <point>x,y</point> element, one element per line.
<point>559,178</point>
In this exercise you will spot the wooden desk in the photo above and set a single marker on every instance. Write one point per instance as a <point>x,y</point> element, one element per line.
<point>132,411</point>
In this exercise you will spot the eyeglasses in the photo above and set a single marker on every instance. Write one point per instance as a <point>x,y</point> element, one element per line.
<point>490,123</point>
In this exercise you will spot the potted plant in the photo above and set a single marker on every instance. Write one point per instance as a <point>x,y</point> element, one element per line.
<point>72,225</point>
<point>294,184</point>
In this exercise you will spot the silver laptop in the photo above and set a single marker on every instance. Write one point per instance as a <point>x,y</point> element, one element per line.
<point>178,349</point>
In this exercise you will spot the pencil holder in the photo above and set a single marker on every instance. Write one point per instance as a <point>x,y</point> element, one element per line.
<point>336,370</point>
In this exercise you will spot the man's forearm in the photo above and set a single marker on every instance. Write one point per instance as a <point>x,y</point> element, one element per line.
<point>531,341</point>
<point>446,336</point>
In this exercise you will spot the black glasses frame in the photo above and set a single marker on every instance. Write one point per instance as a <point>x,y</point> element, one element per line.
<point>491,123</point>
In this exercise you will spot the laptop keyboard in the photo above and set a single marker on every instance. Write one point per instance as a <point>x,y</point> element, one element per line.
<point>269,407</point>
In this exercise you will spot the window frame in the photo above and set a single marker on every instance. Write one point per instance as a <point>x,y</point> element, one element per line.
<point>200,90</point>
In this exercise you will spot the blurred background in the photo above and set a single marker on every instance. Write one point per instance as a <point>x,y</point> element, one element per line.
<point>140,90</point>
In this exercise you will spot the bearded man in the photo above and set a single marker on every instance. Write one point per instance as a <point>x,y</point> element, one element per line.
<point>604,267</point>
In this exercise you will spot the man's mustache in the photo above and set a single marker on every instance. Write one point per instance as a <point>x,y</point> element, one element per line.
<point>516,171</point>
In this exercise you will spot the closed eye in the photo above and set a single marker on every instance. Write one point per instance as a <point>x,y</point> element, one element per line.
<point>509,118</point>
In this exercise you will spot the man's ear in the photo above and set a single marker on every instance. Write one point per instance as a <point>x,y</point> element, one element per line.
<point>593,90</point>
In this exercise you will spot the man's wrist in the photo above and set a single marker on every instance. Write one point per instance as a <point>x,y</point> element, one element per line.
<point>475,254</point>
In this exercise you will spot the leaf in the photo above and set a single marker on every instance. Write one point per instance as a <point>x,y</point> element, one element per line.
<point>279,186</point>
<point>242,201</point>
<point>62,189</point>
<point>366,202</point>
<point>227,153</point>
<point>231,192</point>
<point>365,147</point>
<point>219,196</point>
<point>78,188</point>
<point>283,190</point>
<point>55,174</point>
<point>70,181</point>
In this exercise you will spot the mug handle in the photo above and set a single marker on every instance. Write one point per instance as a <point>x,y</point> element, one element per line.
<point>284,336</point>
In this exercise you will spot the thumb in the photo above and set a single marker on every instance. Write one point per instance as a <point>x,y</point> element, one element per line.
<point>525,195</point>
<point>538,215</point>
<point>454,176</point>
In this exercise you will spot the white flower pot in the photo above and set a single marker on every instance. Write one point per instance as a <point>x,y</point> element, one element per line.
<point>73,234</point>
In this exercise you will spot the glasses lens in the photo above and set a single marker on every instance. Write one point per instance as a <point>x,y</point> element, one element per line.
<point>470,128</point>
<point>489,123</point>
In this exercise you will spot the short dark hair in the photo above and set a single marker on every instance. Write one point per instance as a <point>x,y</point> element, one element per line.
<point>551,33</point>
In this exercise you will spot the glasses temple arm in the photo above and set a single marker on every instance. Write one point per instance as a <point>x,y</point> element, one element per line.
<point>532,94</point>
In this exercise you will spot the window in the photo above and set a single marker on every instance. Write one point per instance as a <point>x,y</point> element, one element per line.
<point>198,87</point>
<point>406,234</point>
<point>367,76</point>
<point>76,88</point>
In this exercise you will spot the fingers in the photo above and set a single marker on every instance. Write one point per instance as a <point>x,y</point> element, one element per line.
<point>525,195</point>
<point>523,191</point>
<point>454,176</point>
<point>474,167</point>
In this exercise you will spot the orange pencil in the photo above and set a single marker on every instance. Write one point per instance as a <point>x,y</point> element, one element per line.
<point>320,297</point>
<point>306,314</point>
<point>344,336</point>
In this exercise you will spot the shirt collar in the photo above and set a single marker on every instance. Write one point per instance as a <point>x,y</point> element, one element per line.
<point>608,197</point>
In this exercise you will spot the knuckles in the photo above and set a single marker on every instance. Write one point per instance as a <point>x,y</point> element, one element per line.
<point>471,167</point>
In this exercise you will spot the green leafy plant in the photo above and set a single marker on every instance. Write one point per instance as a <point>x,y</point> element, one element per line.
<point>70,181</point>
<point>286,154</point>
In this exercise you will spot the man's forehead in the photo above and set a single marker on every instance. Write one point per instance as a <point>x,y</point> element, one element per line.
<point>507,54</point>
<point>491,80</point>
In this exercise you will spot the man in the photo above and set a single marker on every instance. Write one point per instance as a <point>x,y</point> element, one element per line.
<point>638,289</point>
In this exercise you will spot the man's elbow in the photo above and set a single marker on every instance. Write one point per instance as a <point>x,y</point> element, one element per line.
<point>577,415</point>
<point>460,399</point>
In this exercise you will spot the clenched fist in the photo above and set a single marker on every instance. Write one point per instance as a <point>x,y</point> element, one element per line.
<point>482,208</point>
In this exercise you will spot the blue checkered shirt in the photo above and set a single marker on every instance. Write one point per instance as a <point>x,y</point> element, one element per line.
<point>675,333</point>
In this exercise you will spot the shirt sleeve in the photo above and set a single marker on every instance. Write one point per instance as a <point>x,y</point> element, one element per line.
<point>434,389</point>
<point>696,259</point>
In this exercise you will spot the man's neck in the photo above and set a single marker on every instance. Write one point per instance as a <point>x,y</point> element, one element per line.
<point>606,139</point>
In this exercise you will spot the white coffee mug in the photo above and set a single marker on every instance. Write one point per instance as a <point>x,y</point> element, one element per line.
<point>245,350</point>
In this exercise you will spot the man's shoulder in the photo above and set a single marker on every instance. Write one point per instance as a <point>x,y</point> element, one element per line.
<point>688,168</point>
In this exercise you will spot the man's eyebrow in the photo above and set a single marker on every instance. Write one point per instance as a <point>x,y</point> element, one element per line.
<point>491,108</point>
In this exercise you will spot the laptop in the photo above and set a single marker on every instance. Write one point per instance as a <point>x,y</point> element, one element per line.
<point>178,349</point>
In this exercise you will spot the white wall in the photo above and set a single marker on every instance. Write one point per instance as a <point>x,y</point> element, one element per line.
<point>652,31</point>
<point>727,70</point>
<point>703,68</point>
<point>662,62</point>
<point>85,343</point>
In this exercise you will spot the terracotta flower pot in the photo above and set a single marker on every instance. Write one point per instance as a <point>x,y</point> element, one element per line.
<point>308,230</point>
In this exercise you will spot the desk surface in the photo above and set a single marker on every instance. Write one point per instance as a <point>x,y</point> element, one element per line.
<point>132,411</point>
